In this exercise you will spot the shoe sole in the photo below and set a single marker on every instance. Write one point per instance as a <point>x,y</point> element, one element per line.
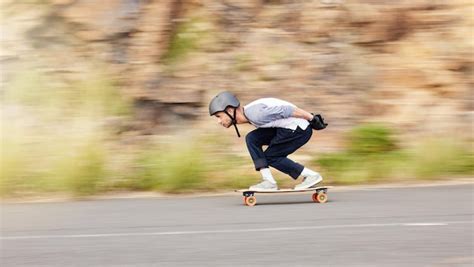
<point>262,189</point>
<point>311,185</point>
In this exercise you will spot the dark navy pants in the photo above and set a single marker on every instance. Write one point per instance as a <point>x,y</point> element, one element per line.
<point>281,143</point>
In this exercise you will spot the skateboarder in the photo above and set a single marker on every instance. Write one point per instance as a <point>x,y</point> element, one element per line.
<point>281,126</point>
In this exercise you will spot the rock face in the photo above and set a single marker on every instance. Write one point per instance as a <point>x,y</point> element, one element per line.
<point>406,63</point>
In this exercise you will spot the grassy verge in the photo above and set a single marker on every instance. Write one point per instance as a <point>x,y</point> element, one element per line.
<point>171,168</point>
<point>80,164</point>
<point>77,161</point>
<point>53,139</point>
<point>52,159</point>
<point>373,155</point>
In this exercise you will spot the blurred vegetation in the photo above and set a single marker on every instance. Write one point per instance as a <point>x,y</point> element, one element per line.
<point>57,99</point>
<point>79,164</point>
<point>94,94</point>
<point>61,145</point>
<point>54,139</point>
<point>373,155</point>
<point>187,38</point>
<point>171,168</point>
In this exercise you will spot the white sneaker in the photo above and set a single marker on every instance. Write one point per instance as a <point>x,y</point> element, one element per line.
<point>264,186</point>
<point>309,182</point>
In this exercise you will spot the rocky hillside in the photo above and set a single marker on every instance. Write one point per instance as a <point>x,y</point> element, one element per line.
<point>406,63</point>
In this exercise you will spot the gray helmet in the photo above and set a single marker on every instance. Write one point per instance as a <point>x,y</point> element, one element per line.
<point>221,101</point>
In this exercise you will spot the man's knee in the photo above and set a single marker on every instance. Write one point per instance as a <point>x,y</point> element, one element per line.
<point>251,138</point>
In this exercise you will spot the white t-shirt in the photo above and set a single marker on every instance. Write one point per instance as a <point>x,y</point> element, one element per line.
<point>273,113</point>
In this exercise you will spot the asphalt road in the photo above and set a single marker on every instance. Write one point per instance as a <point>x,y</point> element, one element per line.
<point>416,226</point>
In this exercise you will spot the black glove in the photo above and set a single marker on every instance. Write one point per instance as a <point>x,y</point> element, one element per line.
<point>317,122</point>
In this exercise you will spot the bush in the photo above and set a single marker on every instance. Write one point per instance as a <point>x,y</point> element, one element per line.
<point>371,139</point>
<point>370,149</point>
<point>188,37</point>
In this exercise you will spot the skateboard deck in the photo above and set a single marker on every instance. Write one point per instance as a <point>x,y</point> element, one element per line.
<point>320,195</point>
<point>284,190</point>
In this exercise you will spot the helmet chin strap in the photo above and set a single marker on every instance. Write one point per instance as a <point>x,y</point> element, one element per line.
<point>234,120</point>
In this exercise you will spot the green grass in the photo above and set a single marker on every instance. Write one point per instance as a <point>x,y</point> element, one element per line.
<point>84,171</point>
<point>55,142</point>
<point>172,168</point>
<point>12,163</point>
<point>40,156</point>
<point>434,158</point>
<point>187,164</point>
<point>77,162</point>
<point>52,159</point>
<point>373,155</point>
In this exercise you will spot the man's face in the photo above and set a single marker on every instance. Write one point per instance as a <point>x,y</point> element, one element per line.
<point>223,119</point>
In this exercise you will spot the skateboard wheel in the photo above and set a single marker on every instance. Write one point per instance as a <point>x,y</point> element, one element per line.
<point>320,197</point>
<point>245,200</point>
<point>250,201</point>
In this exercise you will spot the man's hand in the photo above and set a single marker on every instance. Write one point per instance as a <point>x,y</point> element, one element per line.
<point>317,122</point>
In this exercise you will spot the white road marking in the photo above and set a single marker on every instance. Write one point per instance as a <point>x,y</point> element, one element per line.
<point>230,231</point>
<point>425,224</point>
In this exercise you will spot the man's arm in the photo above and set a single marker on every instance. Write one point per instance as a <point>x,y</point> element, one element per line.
<point>300,113</point>
<point>316,121</point>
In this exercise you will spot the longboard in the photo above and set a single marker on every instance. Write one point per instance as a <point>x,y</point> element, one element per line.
<point>320,195</point>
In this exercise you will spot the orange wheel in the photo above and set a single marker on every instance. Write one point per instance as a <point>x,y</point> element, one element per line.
<point>250,201</point>
<point>320,197</point>
<point>245,200</point>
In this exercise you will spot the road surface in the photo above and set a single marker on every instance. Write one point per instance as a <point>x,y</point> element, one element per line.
<point>414,226</point>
